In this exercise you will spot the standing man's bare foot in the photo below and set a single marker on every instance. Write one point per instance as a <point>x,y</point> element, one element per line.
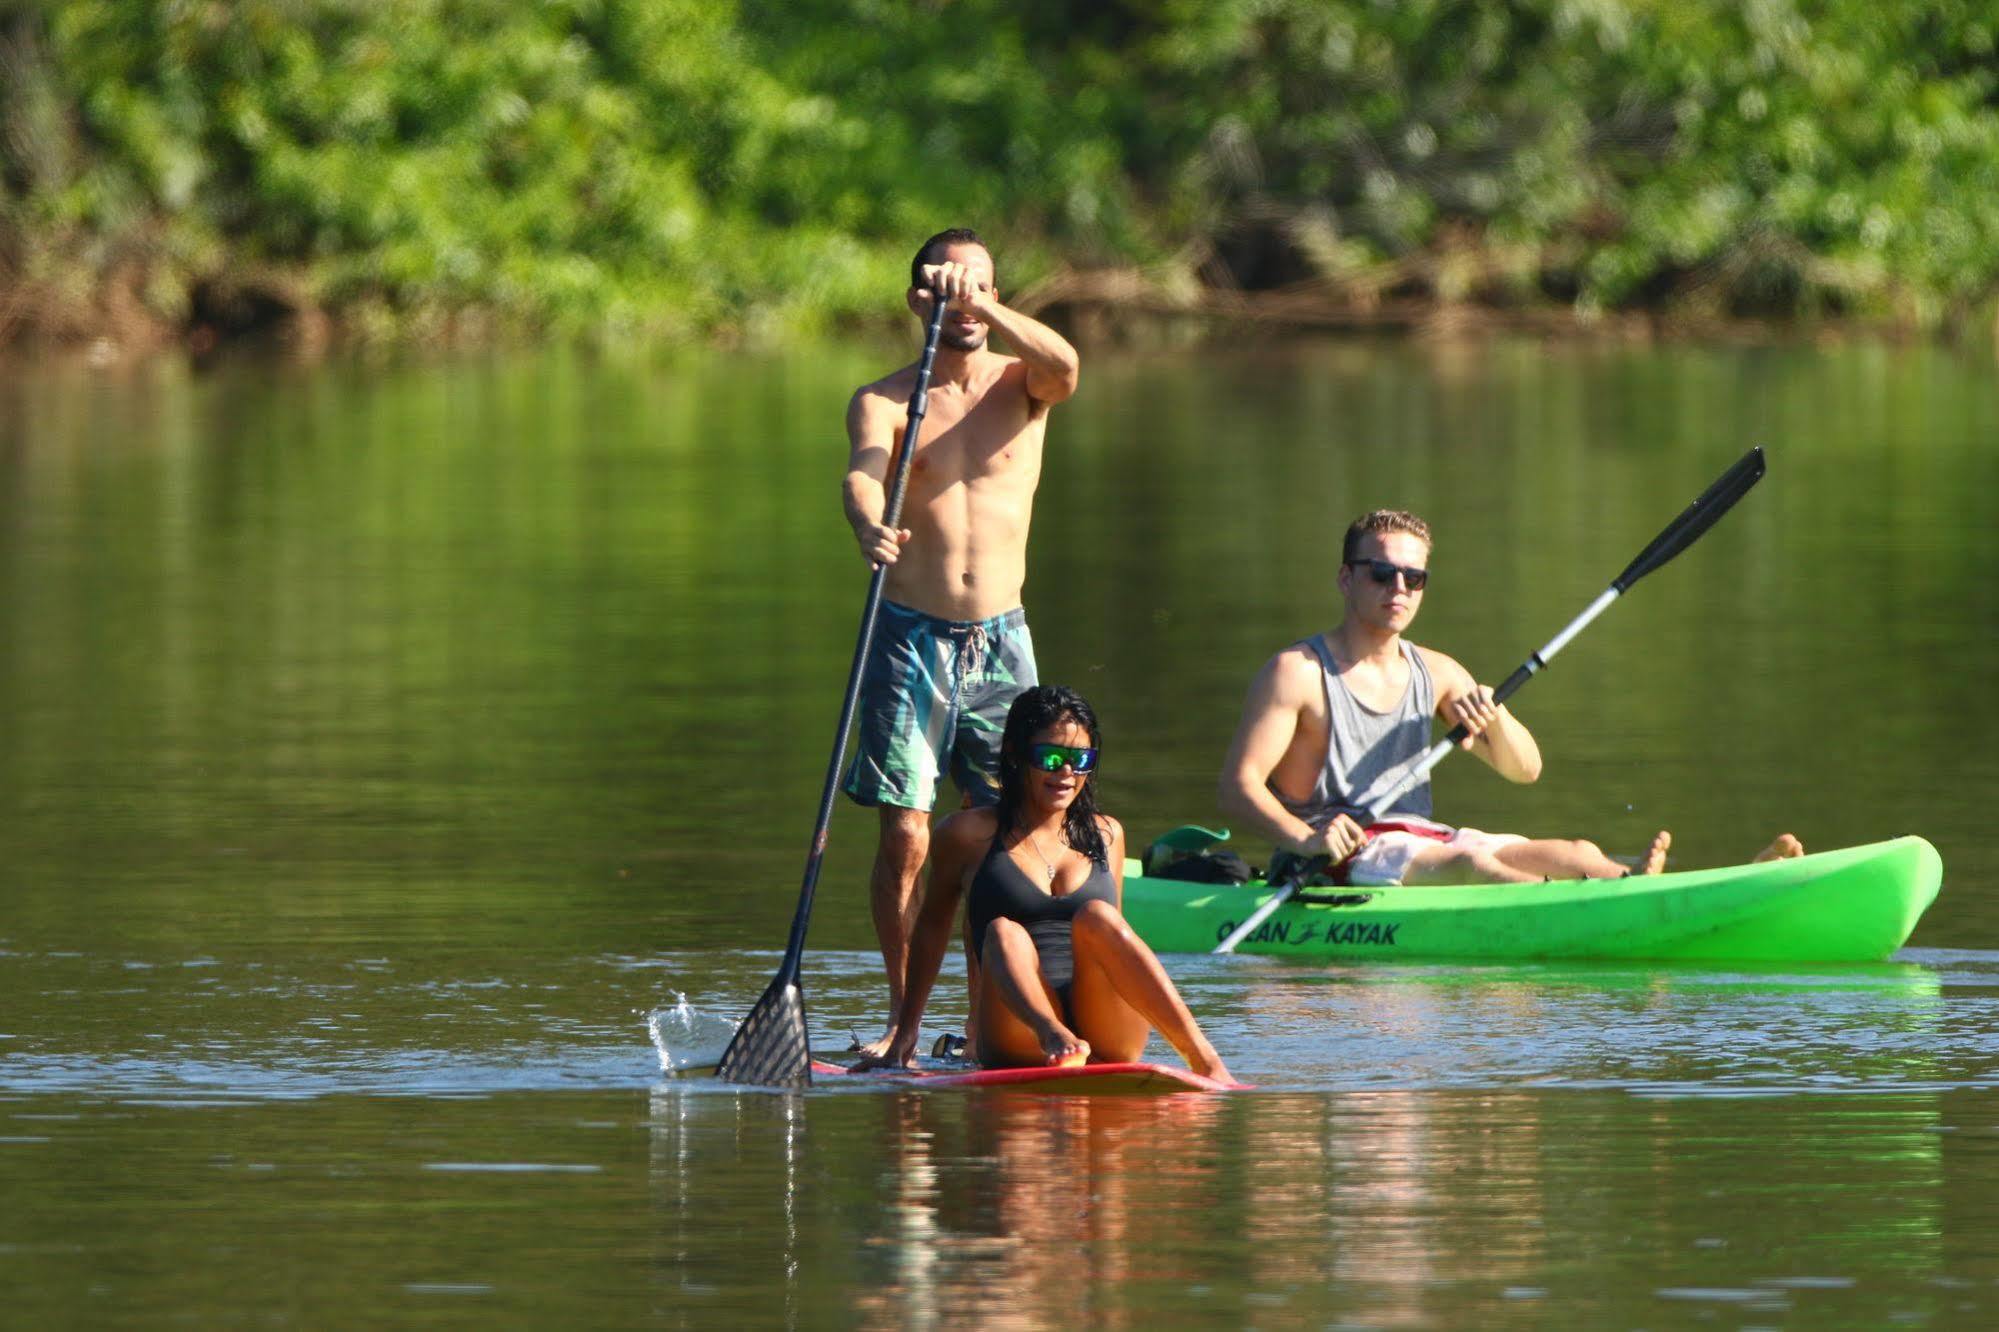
<point>875,1049</point>
<point>1655,854</point>
<point>1785,847</point>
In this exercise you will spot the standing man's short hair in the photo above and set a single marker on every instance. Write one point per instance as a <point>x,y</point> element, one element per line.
<point>1382,521</point>
<point>932,251</point>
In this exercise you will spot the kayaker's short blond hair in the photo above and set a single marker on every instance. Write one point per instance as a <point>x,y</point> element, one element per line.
<point>1379,522</point>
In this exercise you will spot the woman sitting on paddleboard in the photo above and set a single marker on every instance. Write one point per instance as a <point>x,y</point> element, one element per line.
<point>1057,975</point>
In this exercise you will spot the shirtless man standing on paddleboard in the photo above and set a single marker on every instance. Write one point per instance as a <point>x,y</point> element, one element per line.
<point>952,649</point>
<point>1333,721</point>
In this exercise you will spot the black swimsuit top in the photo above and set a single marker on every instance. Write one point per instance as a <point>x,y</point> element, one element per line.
<point>1002,890</point>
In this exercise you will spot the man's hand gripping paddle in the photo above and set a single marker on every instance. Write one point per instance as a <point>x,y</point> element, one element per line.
<point>1682,532</point>
<point>771,1047</point>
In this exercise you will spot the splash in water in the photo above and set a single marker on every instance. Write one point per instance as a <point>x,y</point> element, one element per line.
<point>685,1038</point>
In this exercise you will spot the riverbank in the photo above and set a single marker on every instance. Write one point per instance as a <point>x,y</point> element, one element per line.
<point>1098,307</point>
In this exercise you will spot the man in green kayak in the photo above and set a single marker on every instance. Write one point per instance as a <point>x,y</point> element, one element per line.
<point>1333,721</point>
<point>952,649</point>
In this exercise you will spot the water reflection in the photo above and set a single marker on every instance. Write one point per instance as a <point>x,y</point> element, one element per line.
<point>727,1184</point>
<point>1391,1209</point>
<point>1067,1198</point>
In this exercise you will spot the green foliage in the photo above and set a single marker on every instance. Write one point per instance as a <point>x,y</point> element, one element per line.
<point>671,168</point>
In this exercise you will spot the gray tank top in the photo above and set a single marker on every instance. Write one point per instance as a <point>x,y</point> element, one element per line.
<point>1367,750</point>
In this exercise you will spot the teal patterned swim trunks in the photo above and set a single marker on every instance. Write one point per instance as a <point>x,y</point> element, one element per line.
<point>936,692</point>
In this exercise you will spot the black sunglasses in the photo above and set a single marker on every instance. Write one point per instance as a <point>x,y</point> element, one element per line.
<point>1381,571</point>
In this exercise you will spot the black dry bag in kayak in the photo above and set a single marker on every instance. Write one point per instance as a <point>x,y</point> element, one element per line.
<point>1194,855</point>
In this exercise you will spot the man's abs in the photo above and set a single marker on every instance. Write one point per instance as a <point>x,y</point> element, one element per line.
<point>968,510</point>
<point>967,555</point>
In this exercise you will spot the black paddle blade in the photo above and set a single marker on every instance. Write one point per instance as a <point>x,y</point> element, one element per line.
<point>770,1048</point>
<point>1702,514</point>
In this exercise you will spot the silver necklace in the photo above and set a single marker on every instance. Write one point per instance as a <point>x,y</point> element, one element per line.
<point>1035,843</point>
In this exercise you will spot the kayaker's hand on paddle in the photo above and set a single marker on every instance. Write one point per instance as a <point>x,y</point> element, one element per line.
<point>880,544</point>
<point>1474,711</point>
<point>1338,839</point>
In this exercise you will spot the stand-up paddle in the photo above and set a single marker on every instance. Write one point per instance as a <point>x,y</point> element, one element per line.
<point>1682,532</point>
<point>771,1048</point>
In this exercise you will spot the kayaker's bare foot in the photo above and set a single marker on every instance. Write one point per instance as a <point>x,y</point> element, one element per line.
<point>1655,854</point>
<point>1783,848</point>
<point>1063,1047</point>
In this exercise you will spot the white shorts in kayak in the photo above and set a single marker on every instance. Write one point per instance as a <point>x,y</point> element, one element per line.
<point>1393,845</point>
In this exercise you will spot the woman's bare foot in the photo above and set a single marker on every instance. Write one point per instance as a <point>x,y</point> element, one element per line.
<point>1063,1047</point>
<point>1783,848</point>
<point>1655,854</point>
<point>1209,1065</point>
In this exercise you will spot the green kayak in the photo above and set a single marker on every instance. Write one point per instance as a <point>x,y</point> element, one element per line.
<point>1855,905</point>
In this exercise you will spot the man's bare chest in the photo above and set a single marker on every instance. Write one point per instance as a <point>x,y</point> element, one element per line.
<point>978,445</point>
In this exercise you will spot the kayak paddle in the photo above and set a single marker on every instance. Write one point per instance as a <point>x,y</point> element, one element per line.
<point>772,1046</point>
<point>1682,532</point>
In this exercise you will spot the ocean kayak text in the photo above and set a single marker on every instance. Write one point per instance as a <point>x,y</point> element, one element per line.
<point>1298,934</point>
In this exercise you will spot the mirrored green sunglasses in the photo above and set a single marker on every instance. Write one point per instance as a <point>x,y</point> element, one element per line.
<point>1051,758</point>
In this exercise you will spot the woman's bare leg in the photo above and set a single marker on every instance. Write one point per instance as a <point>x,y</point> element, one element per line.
<point>1121,992</point>
<point>973,986</point>
<point>1017,1024</point>
<point>1117,1031</point>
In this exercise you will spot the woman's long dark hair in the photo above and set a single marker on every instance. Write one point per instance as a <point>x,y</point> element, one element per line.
<point>1034,711</point>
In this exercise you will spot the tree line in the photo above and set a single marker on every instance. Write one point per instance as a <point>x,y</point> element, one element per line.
<point>677,169</point>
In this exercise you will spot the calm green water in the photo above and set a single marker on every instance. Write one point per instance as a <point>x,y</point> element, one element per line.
<point>387,754</point>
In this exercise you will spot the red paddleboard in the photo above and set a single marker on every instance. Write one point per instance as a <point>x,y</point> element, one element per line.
<point>1109,1079</point>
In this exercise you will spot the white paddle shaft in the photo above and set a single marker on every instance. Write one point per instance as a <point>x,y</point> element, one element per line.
<point>1436,752</point>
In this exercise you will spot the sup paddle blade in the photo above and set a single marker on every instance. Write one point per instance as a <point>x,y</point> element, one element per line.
<point>771,1048</point>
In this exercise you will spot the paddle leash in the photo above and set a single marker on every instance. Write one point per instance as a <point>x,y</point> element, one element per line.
<point>1682,532</point>
<point>771,1048</point>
